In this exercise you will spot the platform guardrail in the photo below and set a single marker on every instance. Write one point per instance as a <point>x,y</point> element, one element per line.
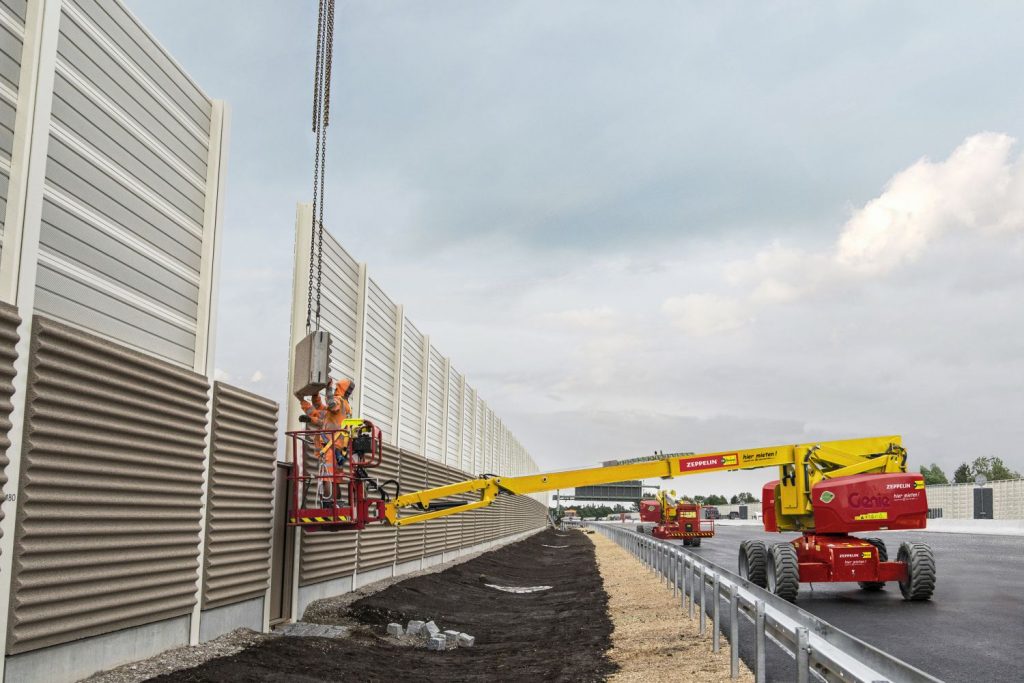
<point>821,650</point>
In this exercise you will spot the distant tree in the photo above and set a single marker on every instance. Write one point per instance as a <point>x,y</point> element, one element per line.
<point>933,475</point>
<point>963,475</point>
<point>714,499</point>
<point>993,469</point>
<point>634,507</point>
<point>699,500</point>
<point>747,497</point>
<point>735,500</point>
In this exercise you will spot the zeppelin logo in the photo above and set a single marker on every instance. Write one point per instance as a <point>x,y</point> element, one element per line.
<point>730,459</point>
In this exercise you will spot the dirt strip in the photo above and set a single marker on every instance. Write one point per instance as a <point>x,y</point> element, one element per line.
<point>654,639</point>
<point>560,633</point>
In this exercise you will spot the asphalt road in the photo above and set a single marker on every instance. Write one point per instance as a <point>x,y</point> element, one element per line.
<point>971,630</point>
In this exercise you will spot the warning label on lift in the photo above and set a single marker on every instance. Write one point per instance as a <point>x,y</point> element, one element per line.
<point>709,462</point>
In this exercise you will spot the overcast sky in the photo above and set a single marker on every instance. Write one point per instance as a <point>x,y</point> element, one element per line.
<point>684,226</point>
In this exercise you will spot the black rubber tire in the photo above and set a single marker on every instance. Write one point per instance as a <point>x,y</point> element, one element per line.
<point>753,564</point>
<point>920,561</point>
<point>783,571</point>
<point>694,542</point>
<point>883,556</point>
<point>686,543</point>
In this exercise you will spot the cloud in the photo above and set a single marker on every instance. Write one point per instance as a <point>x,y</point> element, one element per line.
<point>601,318</point>
<point>976,192</point>
<point>702,315</point>
<point>257,377</point>
<point>979,188</point>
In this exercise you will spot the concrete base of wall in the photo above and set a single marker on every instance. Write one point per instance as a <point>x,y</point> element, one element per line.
<point>325,589</point>
<point>369,576</point>
<point>403,568</point>
<point>433,560</point>
<point>82,658</point>
<point>215,622</point>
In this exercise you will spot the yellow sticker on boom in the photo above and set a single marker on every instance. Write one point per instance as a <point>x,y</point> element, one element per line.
<point>866,554</point>
<point>919,485</point>
<point>872,515</point>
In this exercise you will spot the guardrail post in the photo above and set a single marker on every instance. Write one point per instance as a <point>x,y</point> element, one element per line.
<point>675,573</point>
<point>803,655</point>
<point>759,641</point>
<point>693,594</point>
<point>734,631</point>
<point>716,596</point>
<point>682,582</point>
<point>703,606</point>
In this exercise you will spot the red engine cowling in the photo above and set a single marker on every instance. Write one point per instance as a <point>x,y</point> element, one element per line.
<point>650,511</point>
<point>869,502</point>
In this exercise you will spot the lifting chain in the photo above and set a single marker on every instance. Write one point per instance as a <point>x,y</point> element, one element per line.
<point>321,119</point>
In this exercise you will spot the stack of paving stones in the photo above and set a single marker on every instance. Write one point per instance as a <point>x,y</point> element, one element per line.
<point>430,634</point>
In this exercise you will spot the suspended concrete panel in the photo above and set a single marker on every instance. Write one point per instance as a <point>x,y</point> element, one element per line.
<point>107,530</point>
<point>241,489</point>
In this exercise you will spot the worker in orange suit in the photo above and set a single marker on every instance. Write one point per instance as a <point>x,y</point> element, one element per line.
<point>332,449</point>
<point>338,409</point>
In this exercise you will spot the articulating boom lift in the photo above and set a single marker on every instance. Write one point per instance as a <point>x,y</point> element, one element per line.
<point>826,491</point>
<point>675,519</point>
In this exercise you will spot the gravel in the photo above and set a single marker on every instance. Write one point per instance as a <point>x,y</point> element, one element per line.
<point>180,658</point>
<point>654,641</point>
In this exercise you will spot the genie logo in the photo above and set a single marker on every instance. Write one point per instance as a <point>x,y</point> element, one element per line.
<point>858,501</point>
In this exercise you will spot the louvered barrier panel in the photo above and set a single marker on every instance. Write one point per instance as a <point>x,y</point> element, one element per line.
<point>107,532</point>
<point>450,526</point>
<point>241,491</point>
<point>323,555</point>
<point>9,321</point>
<point>10,67</point>
<point>412,476</point>
<point>126,184</point>
<point>377,542</point>
<point>453,446</point>
<point>410,436</point>
<point>378,383</point>
<point>434,530</point>
<point>435,406</point>
<point>456,523</point>
<point>339,294</point>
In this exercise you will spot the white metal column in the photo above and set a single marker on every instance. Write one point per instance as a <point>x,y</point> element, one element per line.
<point>206,320</point>
<point>19,260</point>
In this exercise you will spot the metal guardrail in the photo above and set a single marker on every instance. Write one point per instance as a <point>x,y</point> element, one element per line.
<point>819,648</point>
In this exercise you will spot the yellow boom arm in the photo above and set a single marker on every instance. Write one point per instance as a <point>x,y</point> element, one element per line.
<point>800,467</point>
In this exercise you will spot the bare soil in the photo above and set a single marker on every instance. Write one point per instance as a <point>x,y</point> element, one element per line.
<point>561,634</point>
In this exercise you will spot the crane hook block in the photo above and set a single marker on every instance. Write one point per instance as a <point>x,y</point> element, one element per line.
<point>312,363</point>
